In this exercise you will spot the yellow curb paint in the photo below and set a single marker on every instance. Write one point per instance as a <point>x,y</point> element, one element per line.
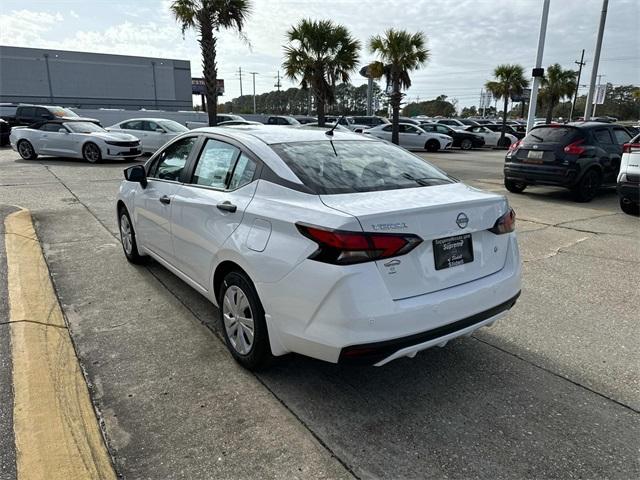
<point>56,431</point>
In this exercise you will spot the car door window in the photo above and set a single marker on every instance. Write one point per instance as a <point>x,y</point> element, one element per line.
<point>387,128</point>
<point>133,125</point>
<point>243,172</point>
<point>172,160</point>
<point>150,126</point>
<point>410,129</point>
<point>603,136</point>
<point>215,164</point>
<point>441,129</point>
<point>622,136</point>
<point>43,113</point>
<point>51,127</point>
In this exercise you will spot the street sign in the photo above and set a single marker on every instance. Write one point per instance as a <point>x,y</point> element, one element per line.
<point>523,97</point>
<point>600,94</point>
<point>198,86</point>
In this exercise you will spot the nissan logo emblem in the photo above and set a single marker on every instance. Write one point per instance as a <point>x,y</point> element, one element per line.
<point>462,220</point>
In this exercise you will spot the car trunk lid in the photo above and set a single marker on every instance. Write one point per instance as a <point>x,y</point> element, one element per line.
<point>452,220</point>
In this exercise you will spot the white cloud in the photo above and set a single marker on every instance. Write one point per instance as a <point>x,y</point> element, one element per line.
<point>20,27</point>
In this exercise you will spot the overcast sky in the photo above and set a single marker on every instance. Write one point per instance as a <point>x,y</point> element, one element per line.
<point>467,38</point>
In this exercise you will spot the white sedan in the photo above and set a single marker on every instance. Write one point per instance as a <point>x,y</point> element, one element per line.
<point>341,247</point>
<point>491,138</point>
<point>73,139</point>
<point>412,137</point>
<point>152,132</point>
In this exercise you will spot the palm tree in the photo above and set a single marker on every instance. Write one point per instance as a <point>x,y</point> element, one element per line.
<point>320,53</point>
<point>509,81</point>
<point>556,85</point>
<point>207,17</point>
<point>400,52</point>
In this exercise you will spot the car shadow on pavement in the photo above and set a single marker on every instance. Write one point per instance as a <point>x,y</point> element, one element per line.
<point>466,410</point>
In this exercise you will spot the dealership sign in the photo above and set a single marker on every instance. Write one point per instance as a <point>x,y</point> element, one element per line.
<point>601,93</point>
<point>198,86</point>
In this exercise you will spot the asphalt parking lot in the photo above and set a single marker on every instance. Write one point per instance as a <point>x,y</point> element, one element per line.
<point>552,390</point>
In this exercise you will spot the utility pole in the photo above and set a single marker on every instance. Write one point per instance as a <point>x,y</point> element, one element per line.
<point>278,84</point>
<point>254,89</point>
<point>596,59</point>
<point>581,63</point>
<point>538,71</point>
<point>595,99</point>
<point>240,75</point>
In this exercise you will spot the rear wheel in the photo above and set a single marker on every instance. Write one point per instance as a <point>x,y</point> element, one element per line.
<point>514,186</point>
<point>26,150</point>
<point>629,208</point>
<point>432,146</point>
<point>466,144</point>
<point>91,153</point>
<point>243,325</point>
<point>588,186</point>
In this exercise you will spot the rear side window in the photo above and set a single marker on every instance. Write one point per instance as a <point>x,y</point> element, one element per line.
<point>357,166</point>
<point>551,135</point>
<point>603,136</point>
<point>622,136</point>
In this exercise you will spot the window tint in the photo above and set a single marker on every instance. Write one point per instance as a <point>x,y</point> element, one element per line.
<point>150,126</point>
<point>43,113</point>
<point>551,134</point>
<point>52,127</point>
<point>357,166</point>
<point>172,160</point>
<point>243,172</point>
<point>622,136</point>
<point>272,121</point>
<point>28,112</point>
<point>215,163</point>
<point>133,125</point>
<point>602,136</point>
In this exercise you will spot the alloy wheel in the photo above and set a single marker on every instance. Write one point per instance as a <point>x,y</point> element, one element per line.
<point>125,234</point>
<point>91,153</point>
<point>238,319</point>
<point>25,149</point>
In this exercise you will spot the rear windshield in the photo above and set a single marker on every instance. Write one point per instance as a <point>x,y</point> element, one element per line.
<point>551,134</point>
<point>357,166</point>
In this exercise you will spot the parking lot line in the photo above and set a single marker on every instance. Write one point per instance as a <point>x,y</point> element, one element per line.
<point>55,427</point>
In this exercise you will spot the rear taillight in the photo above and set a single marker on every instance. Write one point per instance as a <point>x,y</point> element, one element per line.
<point>345,248</point>
<point>505,224</point>
<point>626,148</point>
<point>514,146</point>
<point>575,148</point>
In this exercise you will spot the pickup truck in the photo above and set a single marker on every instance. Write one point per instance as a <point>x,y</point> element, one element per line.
<point>26,115</point>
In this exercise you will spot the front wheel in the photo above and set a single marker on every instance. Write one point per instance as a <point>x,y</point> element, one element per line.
<point>243,325</point>
<point>588,186</point>
<point>432,146</point>
<point>91,153</point>
<point>514,186</point>
<point>128,238</point>
<point>466,144</point>
<point>26,150</point>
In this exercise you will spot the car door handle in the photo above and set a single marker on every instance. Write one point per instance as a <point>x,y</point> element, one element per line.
<point>164,199</point>
<point>227,207</point>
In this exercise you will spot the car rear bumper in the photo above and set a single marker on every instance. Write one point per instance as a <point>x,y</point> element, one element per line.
<point>629,191</point>
<point>533,174</point>
<point>323,311</point>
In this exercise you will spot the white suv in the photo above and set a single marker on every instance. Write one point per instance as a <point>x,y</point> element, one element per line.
<point>629,177</point>
<point>339,247</point>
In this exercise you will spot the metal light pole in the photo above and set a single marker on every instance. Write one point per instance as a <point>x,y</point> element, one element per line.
<point>575,95</point>
<point>596,60</point>
<point>538,71</point>
<point>254,90</point>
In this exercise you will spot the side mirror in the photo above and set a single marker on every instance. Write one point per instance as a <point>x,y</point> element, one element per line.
<point>160,130</point>
<point>136,174</point>
<point>62,130</point>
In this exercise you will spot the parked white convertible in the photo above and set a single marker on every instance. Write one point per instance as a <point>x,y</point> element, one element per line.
<point>74,140</point>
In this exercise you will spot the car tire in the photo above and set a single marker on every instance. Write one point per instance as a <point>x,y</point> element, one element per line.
<point>432,146</point>
<point>504,143</point>
<point>588,186</point>
<point>630,208</point>
<point>247,340</point>
<point>466,144</point>
<point>91,152</point>
<point>514,186</point>
<point>26,150</point>
<point>128,238</point>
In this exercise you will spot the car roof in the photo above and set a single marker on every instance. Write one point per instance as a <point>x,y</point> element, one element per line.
<point>146,119</point>
<point>587,124</point>
<point>273,134</point>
